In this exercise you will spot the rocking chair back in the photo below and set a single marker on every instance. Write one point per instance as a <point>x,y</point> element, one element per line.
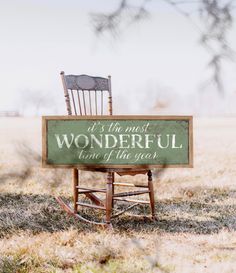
<point>86,95</point>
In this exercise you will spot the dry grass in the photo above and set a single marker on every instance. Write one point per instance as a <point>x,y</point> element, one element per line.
<point>196,210</point>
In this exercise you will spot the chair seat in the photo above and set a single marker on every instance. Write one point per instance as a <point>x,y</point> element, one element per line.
<point>132,172</point>
<point>119,171</point>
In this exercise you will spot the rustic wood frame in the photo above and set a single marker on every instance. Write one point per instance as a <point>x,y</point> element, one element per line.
<point>108,167</point>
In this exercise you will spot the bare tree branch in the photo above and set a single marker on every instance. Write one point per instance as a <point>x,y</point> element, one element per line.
<point>111,22</point>
<point>215,15</point>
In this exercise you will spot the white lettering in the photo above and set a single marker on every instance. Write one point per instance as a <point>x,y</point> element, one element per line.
<point>159,140</point>
<point>173,143</point>
<point>83,143</point>
<point>108,142</point>
<point>64,140</point>
<point>124,141</point>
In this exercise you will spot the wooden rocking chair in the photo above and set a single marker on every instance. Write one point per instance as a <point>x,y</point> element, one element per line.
<point>85,95</point>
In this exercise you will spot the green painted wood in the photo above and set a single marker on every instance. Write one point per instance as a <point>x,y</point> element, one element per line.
<point>117,142</point>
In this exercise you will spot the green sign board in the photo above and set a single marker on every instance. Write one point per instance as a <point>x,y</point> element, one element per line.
<point>117,141</point>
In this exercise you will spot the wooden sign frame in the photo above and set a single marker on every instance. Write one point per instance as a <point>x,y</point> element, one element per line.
<point>114,117</point>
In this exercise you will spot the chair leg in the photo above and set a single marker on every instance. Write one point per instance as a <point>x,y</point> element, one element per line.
<point>109,197</point>
<point>75,184</point>
<point>151,194</point>
<point>113,188</point>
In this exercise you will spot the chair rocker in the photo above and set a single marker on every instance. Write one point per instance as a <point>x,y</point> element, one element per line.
<point>85,95</point>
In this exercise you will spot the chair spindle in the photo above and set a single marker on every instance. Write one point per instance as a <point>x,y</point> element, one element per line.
<point>90,104</point>
<point>96,102</point>
<point>101,103</point>
<point>80,109</point>
<point>73,99</point>
<point>85,112</point>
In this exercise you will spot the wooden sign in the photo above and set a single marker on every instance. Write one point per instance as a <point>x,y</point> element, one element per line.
<point>117,141</point>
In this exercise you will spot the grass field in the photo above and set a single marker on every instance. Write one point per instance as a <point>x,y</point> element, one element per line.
<point>196,211</point>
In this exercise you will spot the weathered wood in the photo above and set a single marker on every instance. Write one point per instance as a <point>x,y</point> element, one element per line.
<point>96,103</point>
<point>132,172</point>
<point>109,197</point>
<point>129,185</point>
<point>90,103</point>
<point>70,211</point>
<point>85,111</point>
<point>80,108</point>
<point>66,93</point>
<point>131,200</point>
<point>90,206</point>
<point>124,210</point>
<point>113,188</point>
<point>151,194</point>
<point>131,193</point>
<point>84,84</point>
<point>75,186</point>
<point>73,99</point>
<point>101,103</point>
<point>89,189</point>
<point>96,200</point>
<point>110,97</point>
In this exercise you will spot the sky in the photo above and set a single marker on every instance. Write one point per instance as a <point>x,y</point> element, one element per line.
<point>158,58</point>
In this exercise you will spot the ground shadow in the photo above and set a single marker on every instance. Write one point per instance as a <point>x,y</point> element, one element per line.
<point>207,211</point>
<point>35,213</point>
<point>201,214</point>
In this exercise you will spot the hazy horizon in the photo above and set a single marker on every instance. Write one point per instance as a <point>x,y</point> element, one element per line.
<point>158,58</point>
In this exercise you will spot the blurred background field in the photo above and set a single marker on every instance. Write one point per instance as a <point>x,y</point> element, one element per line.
<point>195,231</point>
<point>164,58</point>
